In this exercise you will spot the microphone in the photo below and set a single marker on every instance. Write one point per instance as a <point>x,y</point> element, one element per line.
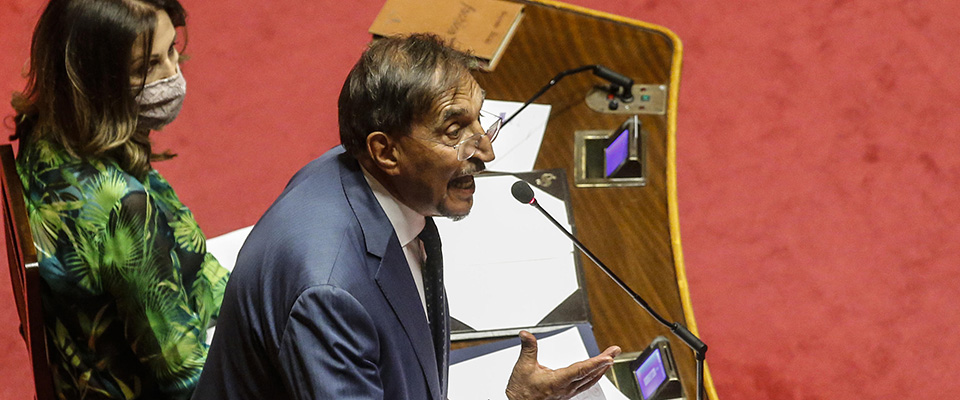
<point>622,86</point>
<point>613,76</point>
<point>524,194</point>
<point>619,80</point>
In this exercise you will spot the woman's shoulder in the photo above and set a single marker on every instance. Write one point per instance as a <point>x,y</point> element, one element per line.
<point>46,167</point>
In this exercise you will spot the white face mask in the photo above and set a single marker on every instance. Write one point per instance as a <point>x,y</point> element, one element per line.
<point>160,102</point>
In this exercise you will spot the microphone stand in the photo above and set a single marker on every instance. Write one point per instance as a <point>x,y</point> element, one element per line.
<point>619,83</point>
<point>699,348</point>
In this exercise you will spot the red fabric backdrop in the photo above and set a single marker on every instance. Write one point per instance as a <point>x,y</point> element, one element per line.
<point>818,171</point>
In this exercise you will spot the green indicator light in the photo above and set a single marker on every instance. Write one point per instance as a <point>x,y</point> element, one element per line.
<point>645,97</point>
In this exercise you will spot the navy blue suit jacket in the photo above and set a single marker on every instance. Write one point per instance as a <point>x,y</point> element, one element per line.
<point>321,304</point>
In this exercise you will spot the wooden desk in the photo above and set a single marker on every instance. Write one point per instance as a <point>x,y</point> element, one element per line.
<point>634,230</point>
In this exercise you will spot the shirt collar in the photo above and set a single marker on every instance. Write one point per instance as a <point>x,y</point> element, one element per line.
<point>406,222</point>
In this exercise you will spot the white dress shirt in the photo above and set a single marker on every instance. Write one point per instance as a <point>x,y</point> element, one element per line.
<point>408,224</point>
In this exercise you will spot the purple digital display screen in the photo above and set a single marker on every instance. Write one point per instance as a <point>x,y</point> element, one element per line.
<point>651,374</point>
<point>616,152</point>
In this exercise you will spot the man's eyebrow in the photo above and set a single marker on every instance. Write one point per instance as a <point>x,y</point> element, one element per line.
<point>452,112</point>
<point>455,112</point>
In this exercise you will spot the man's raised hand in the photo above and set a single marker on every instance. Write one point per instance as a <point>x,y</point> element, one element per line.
<point>532,381</point>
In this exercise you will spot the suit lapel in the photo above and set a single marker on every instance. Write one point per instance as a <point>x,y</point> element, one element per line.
<point>392,274</point>
<point>398,288</point>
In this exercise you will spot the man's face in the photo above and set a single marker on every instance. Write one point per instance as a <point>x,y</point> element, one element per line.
<point>431,179</point>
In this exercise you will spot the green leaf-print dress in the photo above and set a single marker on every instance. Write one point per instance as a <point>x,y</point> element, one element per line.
<point>130,288</point>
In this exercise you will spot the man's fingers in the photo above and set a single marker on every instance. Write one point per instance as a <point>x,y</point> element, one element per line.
<point>597,366</point>
<point>586,384</point>
<point>582,375</point>
<point>612,351</point>
<point>585,370</point>
<point>528,347</point>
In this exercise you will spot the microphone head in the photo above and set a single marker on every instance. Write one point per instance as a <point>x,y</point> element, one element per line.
<point>522,192</point>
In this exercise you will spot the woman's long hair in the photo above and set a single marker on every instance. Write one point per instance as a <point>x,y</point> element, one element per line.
<point>78,91</point>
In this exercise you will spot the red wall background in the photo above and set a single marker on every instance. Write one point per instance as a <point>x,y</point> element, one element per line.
<point>818,171</point>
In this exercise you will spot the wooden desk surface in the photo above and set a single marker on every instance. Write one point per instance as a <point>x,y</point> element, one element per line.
<point>633,230</point>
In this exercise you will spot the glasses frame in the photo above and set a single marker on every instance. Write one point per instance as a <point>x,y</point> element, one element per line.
<point>491,133</point>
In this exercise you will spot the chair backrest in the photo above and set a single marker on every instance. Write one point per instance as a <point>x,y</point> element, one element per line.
<point>25,274</point>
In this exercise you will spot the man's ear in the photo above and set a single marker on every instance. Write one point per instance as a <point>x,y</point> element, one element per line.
<point>383,152</point>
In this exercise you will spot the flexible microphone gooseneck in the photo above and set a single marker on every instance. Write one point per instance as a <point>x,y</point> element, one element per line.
<point>621,85</point>
<point>524,194</point>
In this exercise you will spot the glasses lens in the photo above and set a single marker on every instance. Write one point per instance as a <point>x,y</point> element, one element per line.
<point>494,130</point>
<point>468,147</point>
<point>491,127</point>
<point>491,124</point>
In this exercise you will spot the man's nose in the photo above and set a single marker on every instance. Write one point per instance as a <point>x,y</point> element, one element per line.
<point>484,150</point>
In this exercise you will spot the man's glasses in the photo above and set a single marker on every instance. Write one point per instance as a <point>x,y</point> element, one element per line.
<point>469,145</point>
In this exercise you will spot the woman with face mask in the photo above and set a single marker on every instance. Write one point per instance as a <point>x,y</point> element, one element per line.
<point>130,288</point>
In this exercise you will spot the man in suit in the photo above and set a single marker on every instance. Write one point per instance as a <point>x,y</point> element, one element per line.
<point>335,294</point>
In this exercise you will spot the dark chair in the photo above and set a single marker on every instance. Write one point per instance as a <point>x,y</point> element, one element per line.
<point>25,274</point>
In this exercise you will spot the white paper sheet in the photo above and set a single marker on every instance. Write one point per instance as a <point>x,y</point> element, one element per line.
<point>486,377</point>
<point>506,265</point>
<point>226,247</point>
<point>518,143</point>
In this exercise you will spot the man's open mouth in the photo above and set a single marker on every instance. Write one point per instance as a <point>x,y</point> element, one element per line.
<point>463,182</point>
